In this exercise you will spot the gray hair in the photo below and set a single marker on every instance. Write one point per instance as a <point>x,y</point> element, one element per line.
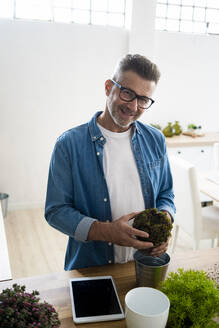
<point>140,65</point>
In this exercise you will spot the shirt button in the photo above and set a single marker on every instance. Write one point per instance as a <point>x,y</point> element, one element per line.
<point>109,244</point>
<point>109,261</point>
<point>98,153</point>
<point>105,199</point>
<point>101,138</point>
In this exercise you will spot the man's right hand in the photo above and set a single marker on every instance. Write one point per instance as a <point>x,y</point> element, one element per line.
<point>119,232</point>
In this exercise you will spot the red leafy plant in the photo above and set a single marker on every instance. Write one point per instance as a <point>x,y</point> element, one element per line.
<point>19,309</point>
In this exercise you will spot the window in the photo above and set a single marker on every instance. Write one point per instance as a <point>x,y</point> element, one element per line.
<point>99,12</point>
<point>193,16</point>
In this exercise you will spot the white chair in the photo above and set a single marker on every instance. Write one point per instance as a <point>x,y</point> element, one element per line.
<point>198,222</point>
<point>215,165</point>
<point>216,156</point>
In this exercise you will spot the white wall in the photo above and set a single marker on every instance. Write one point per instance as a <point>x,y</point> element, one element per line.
<point>189,65</point>
<point>141,36</point>
<point>52,78</point>
<point>188,89</point>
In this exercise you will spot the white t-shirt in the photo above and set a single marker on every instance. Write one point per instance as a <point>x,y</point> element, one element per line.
<point>123,182</point>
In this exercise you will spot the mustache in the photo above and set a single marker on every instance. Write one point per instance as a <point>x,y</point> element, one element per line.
<point>126,110</point>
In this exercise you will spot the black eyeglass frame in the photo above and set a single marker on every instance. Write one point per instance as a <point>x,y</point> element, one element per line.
<point>136,96</point>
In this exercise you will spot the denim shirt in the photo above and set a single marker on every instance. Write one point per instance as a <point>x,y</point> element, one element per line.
<point>77,193</point>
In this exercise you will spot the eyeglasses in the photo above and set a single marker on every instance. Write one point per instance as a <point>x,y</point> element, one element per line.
<point>129,95</point>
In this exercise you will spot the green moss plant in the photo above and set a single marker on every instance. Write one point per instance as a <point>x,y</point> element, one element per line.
<point>156,223</point>
<point>194,299</point>
<point>19,309</point>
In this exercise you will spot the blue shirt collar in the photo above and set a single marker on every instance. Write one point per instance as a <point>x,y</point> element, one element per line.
<point>95,131</point>
<point>93,128</point>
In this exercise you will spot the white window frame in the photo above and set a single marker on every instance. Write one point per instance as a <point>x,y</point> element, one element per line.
<point>179,21</point>
<point>108,13</point>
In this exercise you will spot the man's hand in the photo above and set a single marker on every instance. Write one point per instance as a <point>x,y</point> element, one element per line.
<point>119,232</point>
<point>157,251</point>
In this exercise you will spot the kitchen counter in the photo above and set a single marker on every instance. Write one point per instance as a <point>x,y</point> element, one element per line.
<point>186,141</point>
<point>54,288</point>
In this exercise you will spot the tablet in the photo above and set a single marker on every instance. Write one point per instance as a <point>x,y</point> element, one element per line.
<point>95,299</point>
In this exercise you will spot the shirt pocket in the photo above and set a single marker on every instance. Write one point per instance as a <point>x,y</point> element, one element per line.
<point>155,164</point>
<point>154,170</point>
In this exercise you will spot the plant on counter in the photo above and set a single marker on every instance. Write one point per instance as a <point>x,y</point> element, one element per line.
<point>192,126</point>
<point>194,299</point>
<point>157,126</point>
<point>19,309</point>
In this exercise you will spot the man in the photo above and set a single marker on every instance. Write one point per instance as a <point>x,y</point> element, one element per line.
<point>105,171</point>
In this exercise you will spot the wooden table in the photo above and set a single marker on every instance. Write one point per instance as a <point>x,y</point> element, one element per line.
<point>208,187</point>
<point>54,288</point>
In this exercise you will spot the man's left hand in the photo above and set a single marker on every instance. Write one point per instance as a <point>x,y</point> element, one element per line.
<point>157,251</point>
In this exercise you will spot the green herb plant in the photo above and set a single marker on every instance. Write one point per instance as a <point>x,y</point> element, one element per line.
<point>194,299</point>
<point>192,126</point>
<point>19,309</point>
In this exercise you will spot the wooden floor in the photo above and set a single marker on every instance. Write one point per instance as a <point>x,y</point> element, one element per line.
<point>35,248</point>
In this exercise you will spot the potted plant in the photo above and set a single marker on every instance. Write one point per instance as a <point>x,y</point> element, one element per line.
<point>194,299</point>
<point>195,129</point>
<point>19,309</point>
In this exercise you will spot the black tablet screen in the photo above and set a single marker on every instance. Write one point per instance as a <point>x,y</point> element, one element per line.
<point>94,297</point>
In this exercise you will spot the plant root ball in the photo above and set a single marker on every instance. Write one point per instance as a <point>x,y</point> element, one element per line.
<point>155,223</point>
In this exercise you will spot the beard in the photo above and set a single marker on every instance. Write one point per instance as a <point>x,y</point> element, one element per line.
<point>118,119</point>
